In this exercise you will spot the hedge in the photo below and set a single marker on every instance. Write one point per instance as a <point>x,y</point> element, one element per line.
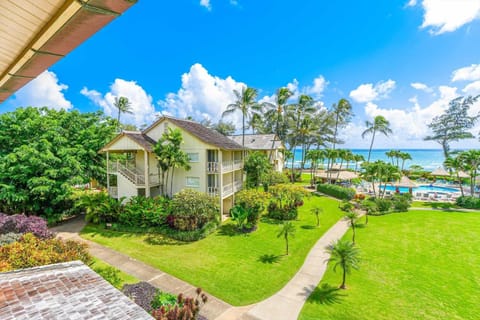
<point>336,191</point>
<point>468,202</point>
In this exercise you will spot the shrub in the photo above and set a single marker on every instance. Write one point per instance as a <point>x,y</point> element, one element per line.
<point>144,212</point>
<point>272,178</point>
<point>8,238</point>
<point>99,207</point>
<point>336,191</point>
<point>401,202</point>
<point>109,273</point>
<point>20,223</point>
<point>297,175</point>
<point>163,299</point>
<point>189,236</point>
<point>252,200</point>
<point>142,293</point>
<point>285,200</point>
<point>383,205</point>
<point>190,210</point>
<point>185,308</point>
<point>31,251</point>
<point>468,202</point>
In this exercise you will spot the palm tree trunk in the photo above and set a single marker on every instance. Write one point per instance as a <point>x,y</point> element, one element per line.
<point>460,181</point>
<point>371,145</point>
<point>366,217</point>
<point>286,241</point>
<point>353,231</point>
<point>243,130</point>
<point>344,276</point>
<point>171,183</point>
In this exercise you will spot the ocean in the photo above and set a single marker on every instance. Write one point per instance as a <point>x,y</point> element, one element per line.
<point>429,159</point>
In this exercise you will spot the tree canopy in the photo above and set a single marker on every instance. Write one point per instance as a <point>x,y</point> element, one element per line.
<point>44,152</point>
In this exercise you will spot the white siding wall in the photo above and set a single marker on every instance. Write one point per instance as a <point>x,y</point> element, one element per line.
<point>125,187</point>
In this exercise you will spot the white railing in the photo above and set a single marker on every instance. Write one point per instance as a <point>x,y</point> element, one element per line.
<point>237,164</point>
<point>227,189</point>
<point>113,192</point>
<point>227,165</point>
<point>133,176</point>
<point>237,185</point>
<point>212,191</point>
<point>212,166</point>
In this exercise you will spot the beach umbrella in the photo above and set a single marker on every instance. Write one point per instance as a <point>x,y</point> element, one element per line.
<point>440,172</point>
<point>462,174</point>
<point>405,182</point>
<point>342,175</point>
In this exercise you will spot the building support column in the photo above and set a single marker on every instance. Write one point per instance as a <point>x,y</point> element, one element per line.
<point>220,159</point>
<point>147,174</point>
<point>108,172</point>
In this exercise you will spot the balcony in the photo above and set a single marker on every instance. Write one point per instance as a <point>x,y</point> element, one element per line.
<point>213,191</point>
<point>212,167</point>
<point>226,166</point>
<point>230,188</point>
<point>133,174</point>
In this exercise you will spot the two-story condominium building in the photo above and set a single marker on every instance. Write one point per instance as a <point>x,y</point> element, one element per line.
<point>268,144</point>
<point>216,162</point>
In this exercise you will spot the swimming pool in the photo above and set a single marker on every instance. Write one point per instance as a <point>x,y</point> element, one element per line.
<point>425,188</point>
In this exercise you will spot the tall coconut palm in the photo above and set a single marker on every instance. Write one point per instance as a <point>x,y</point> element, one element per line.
<point>352,218</point>
<point>342,112</point>
<point>123,106</point>
<point>287,230</point>
<point>455,164</point>
<point>404,156</point>
<point>358,158</point>
<point>345,255</point>
<point>277,111</point>
<point>245,103</point>
<point>315,156</point>
<point>379,124</point>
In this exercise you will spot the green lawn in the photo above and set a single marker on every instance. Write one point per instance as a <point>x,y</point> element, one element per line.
<point>435,205</point>
<point>415,265</point>
<point>240,269</point>
<point>125,278</point>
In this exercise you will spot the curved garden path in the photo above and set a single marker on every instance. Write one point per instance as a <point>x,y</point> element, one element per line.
<point>286,304</point>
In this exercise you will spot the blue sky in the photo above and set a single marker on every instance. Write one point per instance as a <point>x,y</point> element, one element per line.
<point>402,59</point>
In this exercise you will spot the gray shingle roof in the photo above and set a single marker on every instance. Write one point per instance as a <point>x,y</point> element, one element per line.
<point>205,134</point>
<point>63,291</point>
<point>258,141</point>
<point>142,139</point>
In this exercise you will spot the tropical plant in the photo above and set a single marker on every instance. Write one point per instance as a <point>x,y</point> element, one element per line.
<point>240,215</point>
<point>192,210</point>
<point>285,201</point>
<point>124,106</point>
<point>185,308</point>
<point>338,192</point>
<point>316,211</point>
<point>358,158</point>
<point>345,255</point>
<point>255,201</point>
<point>287,230</point>
<point>369,207</point>
<point>454,124</point>
<point>471,162</point>
<point>21,224</point>
<point>315,157</point>
<point>380,125</point>
<point>256,165</point>
<point>44,153</point>
<point>343,113</point>
<point>352,218</point>
<point>246,104</point>
<point>404,156</point>
<point>455,164</point>
<point>226,128</point>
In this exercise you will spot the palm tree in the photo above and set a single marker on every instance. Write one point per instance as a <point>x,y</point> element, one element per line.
<point>123,106</point>
<point>277,111</point>
<point>342,114</point>
<point>316,211</point>
<point>455,164</point>
<point>368,206</point>
<point>357,158</point>
<point>471,162</point>
<point>379,124</point>
<point>344,254</point>
<point>245,103</point>
<point>287,230</point>
<point>352,218</point>
<point>315,156</point>
<point>255,122</point>
<point>404,156</point>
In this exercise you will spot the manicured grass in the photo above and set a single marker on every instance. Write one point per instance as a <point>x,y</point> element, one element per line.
<point>434,205</point>
<point>415,265</point>
<point>125,278</point>
<point>238,268</point>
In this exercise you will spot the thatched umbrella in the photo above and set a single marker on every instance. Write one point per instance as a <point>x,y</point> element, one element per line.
<point>342,175</point>
<point>440,172</point>
<point>405,182</point>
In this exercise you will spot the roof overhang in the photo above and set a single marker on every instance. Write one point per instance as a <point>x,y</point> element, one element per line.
<point>34,34</point>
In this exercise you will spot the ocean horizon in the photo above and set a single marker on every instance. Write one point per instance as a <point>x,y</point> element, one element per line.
<point>429,159</point>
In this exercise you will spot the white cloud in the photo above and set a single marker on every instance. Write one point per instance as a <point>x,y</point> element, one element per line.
<point>141,103</point>
<point>409,125</point>
<point>472,89</point>
<point>206,4</point>
<point>421,86</point>
<point>369,92</point>
<point>470,73</point>
<point>412,3</point>
<point>44,90</point>
<point>448,15</point>
<point>319,85</point>
<point>202,95</point>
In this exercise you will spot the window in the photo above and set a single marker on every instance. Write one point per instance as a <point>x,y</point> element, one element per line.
<point>193,157</point>
<point>193,182</point>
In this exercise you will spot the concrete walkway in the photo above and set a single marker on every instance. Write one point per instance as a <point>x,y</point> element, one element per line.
<point>165,282</point>
<point>288,302</point>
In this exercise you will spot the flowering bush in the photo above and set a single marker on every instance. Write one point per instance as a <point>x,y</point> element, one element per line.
<point>20,223</point>
<point>31,251</point>
<point>8,238</point>
<point>192,210</point>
